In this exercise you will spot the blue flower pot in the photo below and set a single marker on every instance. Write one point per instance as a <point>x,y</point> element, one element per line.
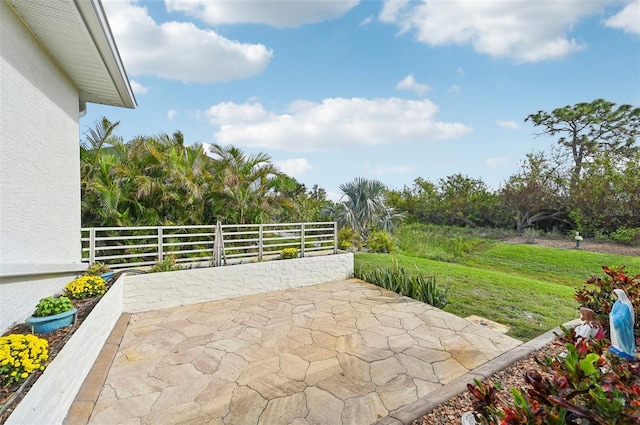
<point>48,324</point>
<point>107,276</point>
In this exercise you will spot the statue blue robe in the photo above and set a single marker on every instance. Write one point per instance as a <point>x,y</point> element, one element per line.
<point>623,343</point>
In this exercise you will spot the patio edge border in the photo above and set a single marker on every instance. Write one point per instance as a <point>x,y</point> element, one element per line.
<point>414,411</point>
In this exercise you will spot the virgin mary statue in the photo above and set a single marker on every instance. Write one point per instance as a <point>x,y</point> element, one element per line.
<point>622,319</point>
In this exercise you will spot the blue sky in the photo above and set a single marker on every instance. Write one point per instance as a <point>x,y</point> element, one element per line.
<point>387,90</point>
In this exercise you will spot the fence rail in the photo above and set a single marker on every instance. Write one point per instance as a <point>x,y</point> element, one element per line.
<point>219,244</point>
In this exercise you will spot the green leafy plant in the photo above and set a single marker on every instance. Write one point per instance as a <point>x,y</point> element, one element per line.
<point>20,355</point>
<point>50,306</point>
<point>380,241</point>
<point>289,253</point>
<point>85,287</point>
<point>626,236</point>
<point>97,268</point>
<point>166,265</point>
<point>414,285</point>
<point>582,386</point>
<point>348,239</point>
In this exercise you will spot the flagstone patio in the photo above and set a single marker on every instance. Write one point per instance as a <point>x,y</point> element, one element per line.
<point>346,352</point>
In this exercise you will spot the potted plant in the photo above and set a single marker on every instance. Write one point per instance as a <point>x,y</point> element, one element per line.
<point>51,314</point>
<point>100,269</point>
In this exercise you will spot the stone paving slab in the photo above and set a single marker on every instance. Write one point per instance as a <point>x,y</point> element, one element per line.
<point>346,352</point>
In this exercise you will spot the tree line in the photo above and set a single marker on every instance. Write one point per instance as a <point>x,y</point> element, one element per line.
<point>589,182</point>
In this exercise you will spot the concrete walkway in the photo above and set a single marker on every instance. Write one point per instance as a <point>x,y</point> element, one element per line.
<point>339,353</point>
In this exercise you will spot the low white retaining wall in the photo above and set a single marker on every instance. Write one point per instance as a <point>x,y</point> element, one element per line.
<point>170,289</point>
<point>48,401</point>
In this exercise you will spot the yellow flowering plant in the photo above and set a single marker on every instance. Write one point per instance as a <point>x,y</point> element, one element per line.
<point>20,355</point>
<point>289,253</point>
<point>85,287</point>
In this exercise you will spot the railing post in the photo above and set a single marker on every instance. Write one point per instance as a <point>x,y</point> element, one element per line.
<point>217,245</point>
<point>160,244</point>
<point>302,230</point>
<point>335,237</point>
<point>92,245</point>
<point>260,242</point>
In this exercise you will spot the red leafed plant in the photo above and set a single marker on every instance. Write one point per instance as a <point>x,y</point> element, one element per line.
<point>586,385</point>
<point>599,297</point>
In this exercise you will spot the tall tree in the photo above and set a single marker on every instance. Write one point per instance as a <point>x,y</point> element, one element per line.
<point>364,208</point>
<point>588,128</point>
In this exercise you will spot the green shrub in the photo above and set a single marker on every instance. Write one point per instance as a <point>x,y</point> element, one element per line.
<point>380,241</point>
<point>166,265</point>
<point>414,285</point>
<point>348,239</point>
<point>289,253</point>
<point>97,268</point>
<point>85,287</point>
<point>50,306</point>
<point>626,236</point>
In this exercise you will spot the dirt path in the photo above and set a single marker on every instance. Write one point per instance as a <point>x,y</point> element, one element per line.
<point>587,245</point>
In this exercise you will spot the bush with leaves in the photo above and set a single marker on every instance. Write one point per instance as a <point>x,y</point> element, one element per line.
<point>289,253</point>
<point>166,265</point>
<point>348,239</point>
<point>599,298</point>
<point>50,306</point>
<point>626,236</point>
<point>380,241</point>
<point>583,386</point>
<point>97,268</point>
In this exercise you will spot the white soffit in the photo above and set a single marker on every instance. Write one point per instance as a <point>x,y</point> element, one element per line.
<point>77,35</point>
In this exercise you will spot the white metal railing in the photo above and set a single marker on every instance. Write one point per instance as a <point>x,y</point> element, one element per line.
<point>218,245</point>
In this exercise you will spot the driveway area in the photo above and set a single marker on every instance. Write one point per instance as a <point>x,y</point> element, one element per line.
<point>346,352</point>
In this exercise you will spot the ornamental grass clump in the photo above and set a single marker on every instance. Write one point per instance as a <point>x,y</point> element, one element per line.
<point>20,355</point>
<point>85,287</point>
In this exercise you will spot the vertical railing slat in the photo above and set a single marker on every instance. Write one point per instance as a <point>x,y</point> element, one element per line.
<point>92,245</point>
<point>160,244</point>
<point>302,238</point>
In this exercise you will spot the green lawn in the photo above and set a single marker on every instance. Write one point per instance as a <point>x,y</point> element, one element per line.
<point>526,287</point>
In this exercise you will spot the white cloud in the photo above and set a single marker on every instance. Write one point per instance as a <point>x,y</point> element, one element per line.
<point>138,88</point>
<point>180,50</point>
<point>381,170</point>
<point>409,83</point>
<point>455,89</point>
<point>508,124</point>
<point>460,71</point>
<point>295,167</point>
<point>334,124</point>
<point>171,114</point>
<point>628,19</point>
<point>229,113</point>
<point>366,21</point>
<point>495,162</point>
<point>280,14</point>
<point>527,31</point>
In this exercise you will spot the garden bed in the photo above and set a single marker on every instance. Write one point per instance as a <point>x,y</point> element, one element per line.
<point>46,395</point>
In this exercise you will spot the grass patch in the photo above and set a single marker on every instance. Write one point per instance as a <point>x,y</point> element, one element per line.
<point>528,306</point>
<point>562,266</point>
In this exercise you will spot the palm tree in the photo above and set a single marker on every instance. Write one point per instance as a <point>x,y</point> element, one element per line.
<point>246,181</point>
<point>364,209</point>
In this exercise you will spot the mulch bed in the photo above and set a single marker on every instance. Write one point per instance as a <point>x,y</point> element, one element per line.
<point>11,396</point>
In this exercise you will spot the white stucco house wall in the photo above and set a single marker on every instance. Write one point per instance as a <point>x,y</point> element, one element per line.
<point>55,57</point>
